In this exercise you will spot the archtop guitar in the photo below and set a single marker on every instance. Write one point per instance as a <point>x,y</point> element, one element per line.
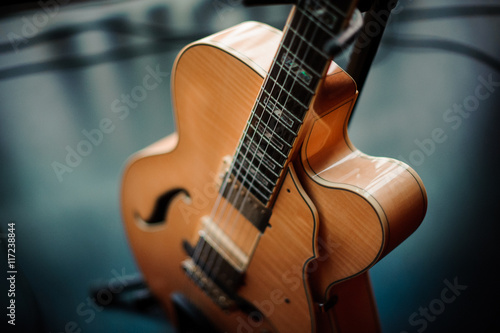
<point>258,209</point>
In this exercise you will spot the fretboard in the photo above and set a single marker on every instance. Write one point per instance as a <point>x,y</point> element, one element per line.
<point>286,95</point>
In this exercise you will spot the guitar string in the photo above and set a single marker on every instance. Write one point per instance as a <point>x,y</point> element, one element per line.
<point>260,143</point>
<point>217,205</point>
<point>217,209</point>
<point>294,80</point>
<point>196,256</point>
<point>275,83</point>
<point>211,271</point>
<point>240,158</point>
<point>210,261</point>
<point>215,266</point>
<point>290,75</point>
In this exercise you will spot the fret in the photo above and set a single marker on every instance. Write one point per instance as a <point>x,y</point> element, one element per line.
<point>272,136</point>
<point>307,45</point>
<point>273,117</point>
<point>267,160</point>
<point>295,53</point>
<point>283,153</point>
<point>294,49</point>
<point>267,177</point>
<point>314,27</point>
<point>269,108</point>
<point>254,177</point>
<point>329,17</point>
<point>340,12</point>
<point>272,158</point>
<point>290,74</point>
<point>284,97</point>
<point>319,57</point>
<point>299,102</point>
<point>286,110</point>
<point>300,62</point>
<point>271,177</point>
<point>268,168</point>
<point>255,188</point>
<point>257,176</point>
<point>290,98</point>
<point>286,77</point>
<point>305,59</point>
<point>250,164</point>
<point>321,14</point>
<point>246,174</point>
<point>279,135</point>
<point>278,157</point>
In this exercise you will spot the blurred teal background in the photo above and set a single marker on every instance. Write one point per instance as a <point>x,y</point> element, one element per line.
<point>62,68</point>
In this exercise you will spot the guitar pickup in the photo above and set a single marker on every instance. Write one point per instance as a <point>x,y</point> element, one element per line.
<point>218,296</point>
<point>213,272</point>
<point>225,246</point>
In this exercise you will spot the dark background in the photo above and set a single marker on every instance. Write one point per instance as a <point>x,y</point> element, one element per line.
<point>61,76</point>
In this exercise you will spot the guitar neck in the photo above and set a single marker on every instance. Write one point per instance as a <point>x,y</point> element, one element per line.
<point>285,96</point>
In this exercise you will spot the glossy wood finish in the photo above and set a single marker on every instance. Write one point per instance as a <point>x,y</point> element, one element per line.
<point>337,212</point>
<point>367,205</point>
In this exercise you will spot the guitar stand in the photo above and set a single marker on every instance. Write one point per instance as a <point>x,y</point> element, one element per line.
<point>129,293</point>
<point>367,44</point>
<point>132,294</point>
<point>376,13</point>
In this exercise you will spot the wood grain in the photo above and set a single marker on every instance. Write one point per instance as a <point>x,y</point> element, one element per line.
<point>337,212</point>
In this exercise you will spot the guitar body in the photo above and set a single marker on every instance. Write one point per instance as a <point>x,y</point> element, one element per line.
<point>336,213</point>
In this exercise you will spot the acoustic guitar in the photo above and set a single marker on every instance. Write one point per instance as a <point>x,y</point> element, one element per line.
<point>259,214</point>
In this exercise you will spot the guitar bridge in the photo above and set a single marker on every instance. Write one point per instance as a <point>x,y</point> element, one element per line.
<point>216,276</point>
<point>211,289</point>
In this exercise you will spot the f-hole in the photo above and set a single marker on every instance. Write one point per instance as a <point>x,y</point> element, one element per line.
<point>161,206</point>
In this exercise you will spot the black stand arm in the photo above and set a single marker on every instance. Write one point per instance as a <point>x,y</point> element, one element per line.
<point>368,41</point>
